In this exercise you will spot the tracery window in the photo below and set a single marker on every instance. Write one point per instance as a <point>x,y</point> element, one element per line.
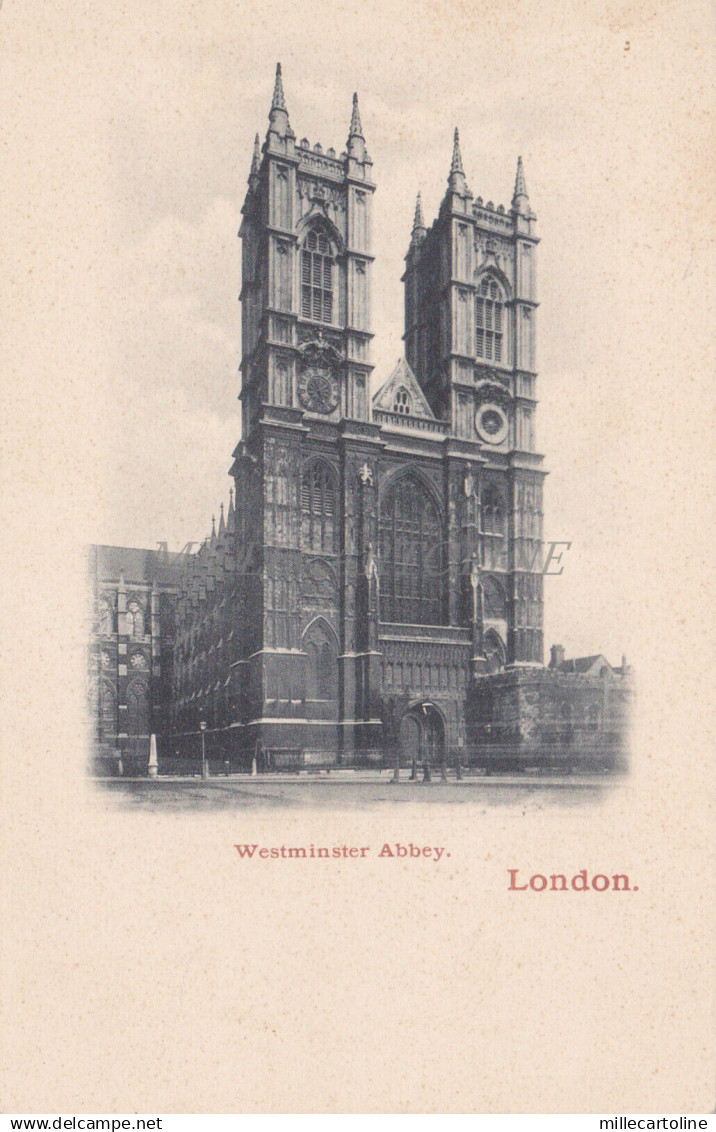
<point>401,402</point>
<point>317,266</point>
<point>490,320</point>
<point>411,556</point>
<point>318,509</point>
<point>135,620</point>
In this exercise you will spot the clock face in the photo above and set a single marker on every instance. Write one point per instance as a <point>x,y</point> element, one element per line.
<point>318,389</point>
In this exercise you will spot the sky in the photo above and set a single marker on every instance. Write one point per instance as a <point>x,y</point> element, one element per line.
<point>132,128</point>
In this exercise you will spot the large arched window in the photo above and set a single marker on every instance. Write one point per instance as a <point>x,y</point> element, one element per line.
<point>317,277</point>
<point>318,509</point>
<point>135,620</point>
<point>411,556</point>
<point>490,304</point>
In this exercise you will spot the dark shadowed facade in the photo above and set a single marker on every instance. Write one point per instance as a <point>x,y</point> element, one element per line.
<point>376,583</point>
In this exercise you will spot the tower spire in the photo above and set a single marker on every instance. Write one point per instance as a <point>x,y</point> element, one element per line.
<point>520,200</point>
<point>418,221</point>
<point>356,129</point>
<point>278,102</point>
<point>355,146</point>
<point>456,179</point>
<point>278,115</point>
<point>456,165</point>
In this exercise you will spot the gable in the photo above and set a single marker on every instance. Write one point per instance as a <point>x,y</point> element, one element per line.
<point>402,394</point>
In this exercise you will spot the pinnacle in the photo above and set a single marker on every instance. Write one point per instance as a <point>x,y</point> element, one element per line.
<point>456,166</point>
<point>520,200</point>
<point>356,130</point>
<point>256,159</point>
<point>520,183</point>
<point>418,221</point>
<point>278,102</point>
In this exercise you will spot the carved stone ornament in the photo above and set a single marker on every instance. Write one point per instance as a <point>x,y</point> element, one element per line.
<point>491,423</point>
<point>138,661</point>
<point>488,374</point>
<point>106,660</point>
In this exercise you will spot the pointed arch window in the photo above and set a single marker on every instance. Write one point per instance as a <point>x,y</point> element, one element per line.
<point>135,620</point>
<point>318,509</point>
<point>490,304</point>
<point>411,556</point>
<point>402,401</point>
<point>317,277</point>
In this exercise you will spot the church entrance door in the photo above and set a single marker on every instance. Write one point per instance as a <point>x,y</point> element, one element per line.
<point>422,736</point>
<point>410,736</point>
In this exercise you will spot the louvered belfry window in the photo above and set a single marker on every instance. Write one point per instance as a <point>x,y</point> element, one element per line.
<point>318,509</point>
<point>490,320</point>
<point>317,278</point>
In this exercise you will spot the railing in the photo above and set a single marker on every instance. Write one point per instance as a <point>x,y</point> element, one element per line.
<point>415,424</point>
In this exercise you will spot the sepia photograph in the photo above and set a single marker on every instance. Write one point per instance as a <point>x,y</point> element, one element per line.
<point>357,731</point>
<point>369,599</point>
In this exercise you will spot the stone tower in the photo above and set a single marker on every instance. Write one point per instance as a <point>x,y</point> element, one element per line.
<point>470,303</point>
<point>301,588</point>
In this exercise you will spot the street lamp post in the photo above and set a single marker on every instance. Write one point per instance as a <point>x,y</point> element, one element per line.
<point>204,765</point>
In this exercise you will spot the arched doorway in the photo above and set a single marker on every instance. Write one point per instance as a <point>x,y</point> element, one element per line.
<point>422,736</point>
<point>409,739</point>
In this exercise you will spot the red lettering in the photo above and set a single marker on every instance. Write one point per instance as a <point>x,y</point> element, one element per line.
<point>515,887</point>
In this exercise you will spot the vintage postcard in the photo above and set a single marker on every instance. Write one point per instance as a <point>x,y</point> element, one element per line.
<point>357,746</point>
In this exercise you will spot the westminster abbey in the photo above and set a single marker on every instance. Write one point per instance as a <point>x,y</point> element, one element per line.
<point>374,590</point>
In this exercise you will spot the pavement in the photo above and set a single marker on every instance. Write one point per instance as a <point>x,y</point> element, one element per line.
<point>349,789</point>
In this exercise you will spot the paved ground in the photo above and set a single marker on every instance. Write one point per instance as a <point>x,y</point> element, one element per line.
<point>350,790</point>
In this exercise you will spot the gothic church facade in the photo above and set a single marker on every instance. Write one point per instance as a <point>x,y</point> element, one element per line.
<point>376,585</point>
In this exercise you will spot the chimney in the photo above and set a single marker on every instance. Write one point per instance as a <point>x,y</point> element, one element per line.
<point>556,656</point>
